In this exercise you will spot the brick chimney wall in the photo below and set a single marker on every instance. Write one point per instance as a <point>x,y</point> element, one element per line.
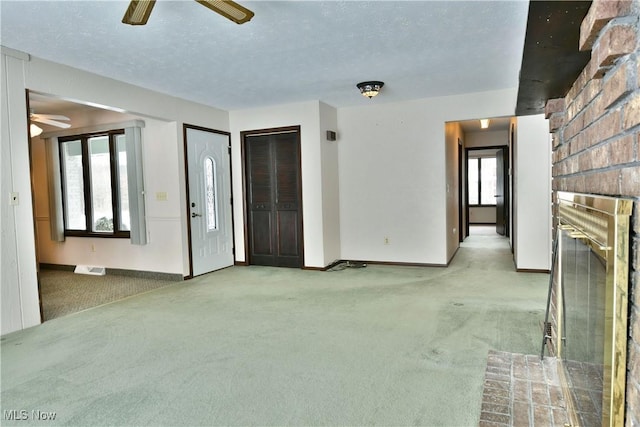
<point>595,140</point>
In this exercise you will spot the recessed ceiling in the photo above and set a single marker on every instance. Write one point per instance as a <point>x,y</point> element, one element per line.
<point>44,104</point>
<point>290,51</point>
<point>495,124</point>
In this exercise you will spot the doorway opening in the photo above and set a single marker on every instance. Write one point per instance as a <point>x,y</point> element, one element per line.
<point>487,201</point>
<point>58,249</point>
<point>487,188</point>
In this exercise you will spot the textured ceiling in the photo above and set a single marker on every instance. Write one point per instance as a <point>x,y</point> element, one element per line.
<point>290,51</point>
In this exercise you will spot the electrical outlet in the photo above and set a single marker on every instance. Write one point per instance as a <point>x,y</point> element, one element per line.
<point>93,247</point>
<point>386,240</point>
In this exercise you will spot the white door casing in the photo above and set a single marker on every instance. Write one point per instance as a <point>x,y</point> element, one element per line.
<point>209,175</point>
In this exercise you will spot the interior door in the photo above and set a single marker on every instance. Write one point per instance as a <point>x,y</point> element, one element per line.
<point>209,204</point>
<point>462,233</point>
<point>274,208</point>
<point>502,192</point>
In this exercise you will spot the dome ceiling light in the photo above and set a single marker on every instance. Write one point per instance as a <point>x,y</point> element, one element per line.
<point>370,89</point>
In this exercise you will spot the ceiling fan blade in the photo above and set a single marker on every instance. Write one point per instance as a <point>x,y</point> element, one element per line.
<point>51,122</point>
<point>138,12</point>
<point>229,9</point>
<point>50,116</point>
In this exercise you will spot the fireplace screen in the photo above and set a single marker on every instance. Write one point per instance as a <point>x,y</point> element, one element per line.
<point>592,306</point>
<point>584,283</point>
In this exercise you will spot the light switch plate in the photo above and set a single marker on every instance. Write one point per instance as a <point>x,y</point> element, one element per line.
<point>14,199</point>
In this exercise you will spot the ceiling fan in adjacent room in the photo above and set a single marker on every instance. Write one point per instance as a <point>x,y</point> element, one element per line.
<point>48,119</point>
<point>139,10</point>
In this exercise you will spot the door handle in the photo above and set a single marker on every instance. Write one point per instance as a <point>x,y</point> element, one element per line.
<point>193,215</point>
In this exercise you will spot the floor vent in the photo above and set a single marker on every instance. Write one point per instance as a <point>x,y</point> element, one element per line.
<point>88,269</point>
<point>547,329</point>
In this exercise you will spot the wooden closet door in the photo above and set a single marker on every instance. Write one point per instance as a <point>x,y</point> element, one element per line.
<point>273,199</point>
<point>260,200</point>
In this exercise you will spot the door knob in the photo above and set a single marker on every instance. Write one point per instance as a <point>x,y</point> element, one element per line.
<point>193,215</point>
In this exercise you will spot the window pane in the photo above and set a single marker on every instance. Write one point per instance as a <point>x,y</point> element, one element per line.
<point>488,189</point>
<point>473,182</point>
<point>100,172</point>
<point>73,185</point>
<point>123,185</point>
<point>210,193</point>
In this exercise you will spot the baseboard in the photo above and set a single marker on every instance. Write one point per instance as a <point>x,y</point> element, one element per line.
<point>315,268</point>
<point>59,267</point>
<point>389,263</point>
<point>405,264</point>
<point>532,270</point>
<point>155,275</point>
<point>340,261</point>
<point>246,264</point>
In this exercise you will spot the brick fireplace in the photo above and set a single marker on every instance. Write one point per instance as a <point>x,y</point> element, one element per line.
<point>595,141</point>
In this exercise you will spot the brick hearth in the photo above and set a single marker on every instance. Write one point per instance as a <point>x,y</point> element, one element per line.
<point>521,390</point>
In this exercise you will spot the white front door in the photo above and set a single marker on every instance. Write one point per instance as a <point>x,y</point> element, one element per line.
<point>209,170</point>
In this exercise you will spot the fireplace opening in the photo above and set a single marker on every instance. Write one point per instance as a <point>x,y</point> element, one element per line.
<point>584,284</point>
<point>591,287</point>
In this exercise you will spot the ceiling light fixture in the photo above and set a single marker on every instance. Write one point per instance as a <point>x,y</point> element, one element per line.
<point>370,89</point>
<point>484,123</point>
<point>35,130</point>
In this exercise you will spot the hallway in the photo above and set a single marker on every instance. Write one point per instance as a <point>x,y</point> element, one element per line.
<point>381,345</point>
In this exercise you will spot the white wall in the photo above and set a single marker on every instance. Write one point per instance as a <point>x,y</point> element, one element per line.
<point>393,175</point>
<point>163,252</point>
<point>330,185</point>
<point>513,122</point>
<point>69,83</point>
<point>482,215</point>
<point>307,116</point>
<point>19,284</point>
<point>453,134</point>
<point>533,194</point>
<point>486,138</point>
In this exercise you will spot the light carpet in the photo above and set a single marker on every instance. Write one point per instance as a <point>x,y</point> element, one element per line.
<point>381,345</point>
